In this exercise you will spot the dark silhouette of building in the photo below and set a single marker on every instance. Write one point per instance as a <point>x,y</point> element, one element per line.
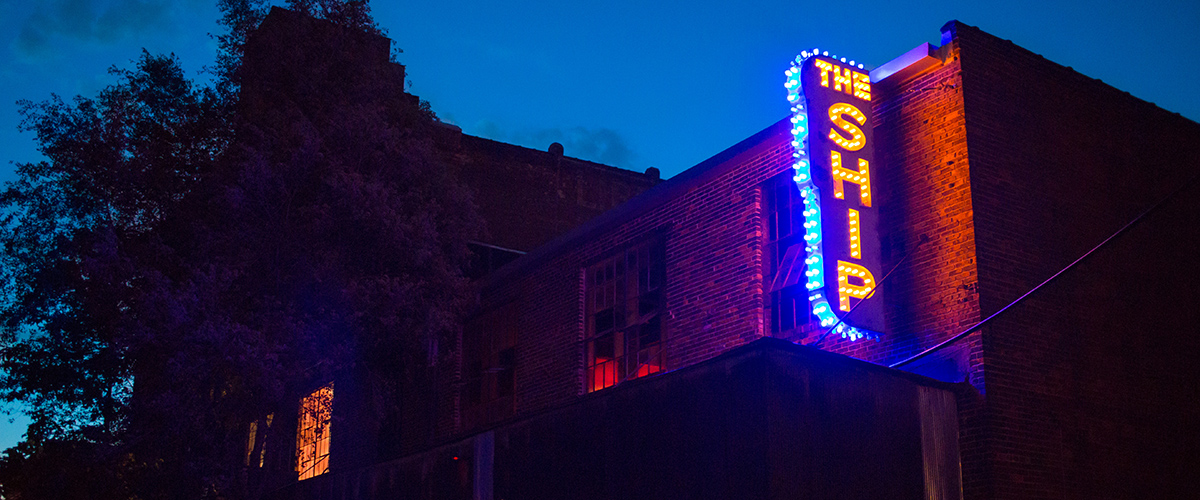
<point>636,350</point>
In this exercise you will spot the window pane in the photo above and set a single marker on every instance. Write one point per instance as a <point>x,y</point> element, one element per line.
<point>622,315</point>
<point>605,350</point>
<point>312,433</point>
<point>603,321</point>
<point>650,333</point>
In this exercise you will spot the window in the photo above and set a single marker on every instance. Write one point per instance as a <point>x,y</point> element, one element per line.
<point>255,448</point>
<point>624,335</point>
<point>487,258</point>
<point>489,366</point>
<point>312,433</point>
<point>785,254</point>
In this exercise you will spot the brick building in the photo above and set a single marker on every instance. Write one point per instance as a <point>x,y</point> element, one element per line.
<point>993,169</point>
<point>525,198</point>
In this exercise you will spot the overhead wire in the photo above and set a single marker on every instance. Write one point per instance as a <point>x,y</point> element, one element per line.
<point>980,324</point>
<point>842,319</point>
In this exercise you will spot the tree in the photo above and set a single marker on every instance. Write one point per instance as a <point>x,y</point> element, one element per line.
<point>116,166</point>
<point>187,259</point>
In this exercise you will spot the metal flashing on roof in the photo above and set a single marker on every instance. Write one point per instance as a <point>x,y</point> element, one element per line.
<point>914,61</point>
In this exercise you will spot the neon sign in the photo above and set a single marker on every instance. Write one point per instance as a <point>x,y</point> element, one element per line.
<point>833,172</point>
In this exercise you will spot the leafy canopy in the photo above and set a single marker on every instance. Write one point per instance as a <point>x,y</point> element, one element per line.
<point>187,258</point>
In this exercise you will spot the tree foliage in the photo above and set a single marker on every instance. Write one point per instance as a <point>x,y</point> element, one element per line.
<point>187,259</point>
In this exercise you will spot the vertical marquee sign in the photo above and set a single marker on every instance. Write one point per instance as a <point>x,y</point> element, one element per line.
<point>834,164</point>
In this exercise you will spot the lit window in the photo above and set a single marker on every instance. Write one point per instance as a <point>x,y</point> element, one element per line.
<point>624,335</point>
<point>254,448</point>
<point>312,433</point>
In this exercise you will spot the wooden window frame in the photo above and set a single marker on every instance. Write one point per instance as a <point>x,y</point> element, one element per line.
<point>624,332</point>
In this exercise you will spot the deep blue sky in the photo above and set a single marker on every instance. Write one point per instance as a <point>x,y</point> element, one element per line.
<point>633,84</point>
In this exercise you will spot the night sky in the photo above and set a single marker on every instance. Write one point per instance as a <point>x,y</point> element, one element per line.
<point>629,84</point>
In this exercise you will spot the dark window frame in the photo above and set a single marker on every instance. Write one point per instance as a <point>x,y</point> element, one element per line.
<point>625,335</point>
<point>489,365</point>
<point>787,299</point>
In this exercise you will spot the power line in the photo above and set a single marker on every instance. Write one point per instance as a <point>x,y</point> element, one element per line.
<point>1022,298</point>
<point>841,320</point>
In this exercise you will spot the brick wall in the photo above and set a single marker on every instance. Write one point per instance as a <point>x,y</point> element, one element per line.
<point>927,230</point>
<point>997,168</point>
<point>713,229</point>
<point>710,221</point>
<point>926,215</point>
<point>528,197</point>
<point>1091,383</point>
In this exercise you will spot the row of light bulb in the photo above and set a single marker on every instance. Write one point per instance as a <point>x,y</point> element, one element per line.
<point>803,178</point>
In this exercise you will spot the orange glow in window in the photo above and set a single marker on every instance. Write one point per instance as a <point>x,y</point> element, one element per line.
<point>602,374</point>
<point>847,272</point>
<point>856,139</point>
<point>254,451</point>
<point>855,250</point>
<point>862,177</point>
<point>648,369</point>
<point>312,433</point>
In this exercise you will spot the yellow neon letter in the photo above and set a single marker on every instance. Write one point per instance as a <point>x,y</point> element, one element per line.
<point>862,86</point>
<point>855,247</point>
<point>841,174</point>
<point>826,67</point>
<point>842,80</point>
<point>856,140</point>
<point>846,290</point>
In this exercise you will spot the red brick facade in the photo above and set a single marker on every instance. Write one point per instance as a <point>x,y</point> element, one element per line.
<point>710,224</point>
<point>711,221</point>
<point>528,197</point>
<point>998,168</point>
<point>1091,384</point>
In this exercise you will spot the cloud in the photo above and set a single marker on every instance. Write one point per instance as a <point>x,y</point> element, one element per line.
<point>92,21</point>
<point>601,145</point>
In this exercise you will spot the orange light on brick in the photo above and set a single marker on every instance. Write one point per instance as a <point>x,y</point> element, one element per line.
<point>846,289</point>
<point>856,139</point>
<point>841,174</point>
<point>855,242</point>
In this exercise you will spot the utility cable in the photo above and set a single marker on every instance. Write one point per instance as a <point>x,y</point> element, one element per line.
<point>817,342</point>
<point>1022,298</point>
